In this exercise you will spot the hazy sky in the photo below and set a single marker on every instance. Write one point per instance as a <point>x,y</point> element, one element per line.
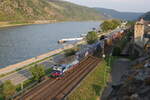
<point>121,5</point>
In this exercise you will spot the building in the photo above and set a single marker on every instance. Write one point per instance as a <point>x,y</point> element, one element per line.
<point>142,35</point>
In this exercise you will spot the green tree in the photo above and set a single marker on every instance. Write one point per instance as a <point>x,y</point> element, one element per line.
<point>38,72</point>
<point>115,24</point>
<point>70,52</point>
<point>105,26</point>
<point>131,23</point>
<point>91,37</point>
<point>8,89</point>
<point>110,25</point>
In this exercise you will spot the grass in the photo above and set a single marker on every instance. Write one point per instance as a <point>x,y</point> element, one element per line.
<point>1,97</point>
<point>93,85</point>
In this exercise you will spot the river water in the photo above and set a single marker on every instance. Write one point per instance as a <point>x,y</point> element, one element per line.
<point>24,42</point>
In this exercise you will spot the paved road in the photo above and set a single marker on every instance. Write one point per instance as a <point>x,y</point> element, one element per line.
<point>23,75</point>
<point>119,67</point>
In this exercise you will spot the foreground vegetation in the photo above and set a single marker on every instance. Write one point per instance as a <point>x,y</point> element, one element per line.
<point>92,86</point>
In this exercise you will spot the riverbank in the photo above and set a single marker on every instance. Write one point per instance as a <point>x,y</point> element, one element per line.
<point>23,23</point>
<point>22,64</point>
<point>19,23</point>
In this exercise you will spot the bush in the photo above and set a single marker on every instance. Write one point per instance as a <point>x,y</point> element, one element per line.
<point>8,89</point>
<point>49,70</point>
<point>38,72</point>
<point>91,37</point>
<point>70,52</point>
<point>116,51</point>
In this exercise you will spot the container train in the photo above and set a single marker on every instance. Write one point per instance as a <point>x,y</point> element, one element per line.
<point>58,71</point>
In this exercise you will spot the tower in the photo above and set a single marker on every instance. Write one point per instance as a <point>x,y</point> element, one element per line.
<point>139,30</point>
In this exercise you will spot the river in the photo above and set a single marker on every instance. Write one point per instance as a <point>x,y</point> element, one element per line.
<point>23,42</point>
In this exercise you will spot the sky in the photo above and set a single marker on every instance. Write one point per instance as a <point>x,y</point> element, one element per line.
<point>120,5</point>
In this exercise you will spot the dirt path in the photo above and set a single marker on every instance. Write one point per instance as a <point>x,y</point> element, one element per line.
<point>119,67</point>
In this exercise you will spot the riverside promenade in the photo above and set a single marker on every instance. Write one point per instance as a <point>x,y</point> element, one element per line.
<point>35,59</point>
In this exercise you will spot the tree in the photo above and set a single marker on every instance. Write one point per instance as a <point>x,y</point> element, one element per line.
<point>38,72</point>
<point>91,37</point>
<point>8,89</point>
<point>70,52</point>
<point>105,26</point>
<point>115,23</point>
<point>110,25</point>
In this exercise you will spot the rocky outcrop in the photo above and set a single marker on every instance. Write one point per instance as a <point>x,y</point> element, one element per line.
<point>134,85</point>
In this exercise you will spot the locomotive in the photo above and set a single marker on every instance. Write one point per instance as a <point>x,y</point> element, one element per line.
<point>59,70</point>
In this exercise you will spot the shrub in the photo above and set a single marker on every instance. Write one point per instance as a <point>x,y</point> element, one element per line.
<point>8,89</point>
<point>116,51</point>
<point>70,52</point>
<point>37,71</point>
<point>91,37</point>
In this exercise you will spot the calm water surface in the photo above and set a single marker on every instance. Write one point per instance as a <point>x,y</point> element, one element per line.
<point>24,42</point>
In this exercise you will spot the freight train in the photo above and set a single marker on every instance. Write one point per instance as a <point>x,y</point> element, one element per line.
<point>89,50</point>
<point>85,50</point>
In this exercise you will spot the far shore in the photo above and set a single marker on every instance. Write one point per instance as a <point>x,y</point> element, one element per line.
<point>11,25</point>
<point>7,24</point>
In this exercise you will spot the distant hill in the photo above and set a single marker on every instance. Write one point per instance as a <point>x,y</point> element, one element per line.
<point>146,16</point>
<point>119,15</point>
<point>23,10</point>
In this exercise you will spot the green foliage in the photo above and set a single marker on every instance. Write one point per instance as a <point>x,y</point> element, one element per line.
<point>110,25</point>
<point>48,71</point>
<point>8,89</point>
<point>70,52</point>
<point>37,71</point>
<point>116,51</point>
<point>131,23</point>
<point>91,37</point>
<point>92,86</point>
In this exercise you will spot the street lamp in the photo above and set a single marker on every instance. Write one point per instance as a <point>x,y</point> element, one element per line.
<point>103,55</point>
<point>103,50</point>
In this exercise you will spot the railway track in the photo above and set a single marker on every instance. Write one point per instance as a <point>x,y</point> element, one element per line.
<point>59,89</point>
